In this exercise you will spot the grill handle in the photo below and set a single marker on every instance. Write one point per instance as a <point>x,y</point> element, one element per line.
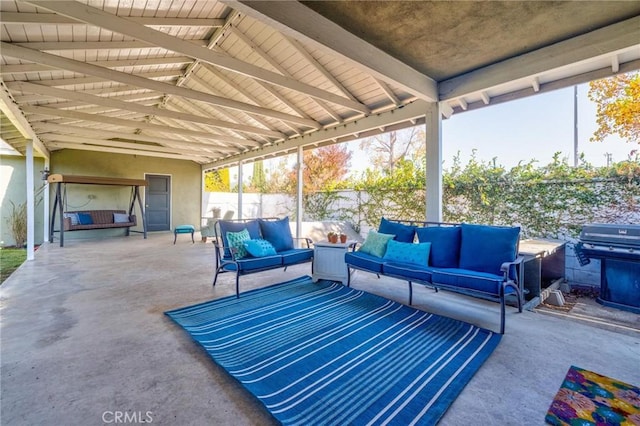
<point>583,260</point>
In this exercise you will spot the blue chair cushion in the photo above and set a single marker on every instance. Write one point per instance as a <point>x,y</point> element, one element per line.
<point>278,233</point>
<point>375,244</point>
<point>485,248</point>
<point>403,233</point>
<point>291,257</point>
<point>257,263</point>
<point>445,244</point>
<point>237,240</point>
<point>230,226</point>
<point>364,261</point>
<point>417,254</point>
<point>259,248</point>
<point>408,271</point>
<point>464,278</point>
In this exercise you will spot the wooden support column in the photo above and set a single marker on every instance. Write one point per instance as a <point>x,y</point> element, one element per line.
<point>299,206</point>
<point>433,184</point>
<point>46,202</point>
<point>240,165</point>
<point>31,210</point>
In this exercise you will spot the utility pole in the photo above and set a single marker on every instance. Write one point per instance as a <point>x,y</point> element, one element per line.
<point>575,126</point>
<point>609,158</point>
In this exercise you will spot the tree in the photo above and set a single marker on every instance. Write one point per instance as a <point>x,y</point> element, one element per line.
<point>324,167</point>
<point>388,149</point>
<point>618,107</point>
<point>217,181</point>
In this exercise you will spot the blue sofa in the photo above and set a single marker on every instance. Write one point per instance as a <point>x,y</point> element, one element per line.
<point>476,260</point>
<point>246,246</point>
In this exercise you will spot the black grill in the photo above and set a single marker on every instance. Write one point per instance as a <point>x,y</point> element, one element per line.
<point>618,248</point>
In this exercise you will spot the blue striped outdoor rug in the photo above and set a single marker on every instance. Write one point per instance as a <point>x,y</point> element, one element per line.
<point>324,354</point>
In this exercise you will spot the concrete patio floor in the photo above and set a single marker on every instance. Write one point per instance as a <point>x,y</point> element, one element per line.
<point>83,336</point>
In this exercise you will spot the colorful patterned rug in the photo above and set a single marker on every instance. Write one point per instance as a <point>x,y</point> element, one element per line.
<point>325,354</point>
<point>589,399</point>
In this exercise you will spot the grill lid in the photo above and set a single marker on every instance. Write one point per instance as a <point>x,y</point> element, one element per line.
<point>625,235</point>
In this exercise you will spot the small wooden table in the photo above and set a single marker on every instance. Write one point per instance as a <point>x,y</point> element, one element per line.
<point>328,261</point>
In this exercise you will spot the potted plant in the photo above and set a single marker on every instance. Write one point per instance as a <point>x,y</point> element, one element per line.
<point>343,238</point>
<point>332,237</point>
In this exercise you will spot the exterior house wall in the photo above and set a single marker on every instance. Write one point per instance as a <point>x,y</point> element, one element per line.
<point>13,184</point>
<point>185,176</point>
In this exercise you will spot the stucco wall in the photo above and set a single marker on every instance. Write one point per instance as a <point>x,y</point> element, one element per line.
<point>13,181</point>
<point>186,183</point>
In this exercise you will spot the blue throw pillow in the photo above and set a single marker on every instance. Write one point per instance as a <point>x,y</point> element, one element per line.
<point>415,254</point>
<point>485,248</point>
<point>85,219</point>
<point>376,243</point>
<point>259,248</point>
<point>237,240</point>
<point>445,245</point>
<point>232,226</point>
<point>278,233</point>
<point>403,233</point>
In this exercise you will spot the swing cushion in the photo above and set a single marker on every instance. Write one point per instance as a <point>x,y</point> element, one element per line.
<point>99,219</point>
<point>120,218</point>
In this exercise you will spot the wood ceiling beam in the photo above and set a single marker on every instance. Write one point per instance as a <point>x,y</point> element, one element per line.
<point>298,21</point>
<point>53,137</point>
<point>96,45</point>
<point>61,82</point>
<point>24,68</point>
<point>81,147</point>
<point>74,115</point>
<point>15,51</point>
<point>615,37</point>
<point>364,127</point>
<point>23,18</point>
<point>84,131</point>
<point>132,106</point>
<point>123,26</point>
<point>14,114</point>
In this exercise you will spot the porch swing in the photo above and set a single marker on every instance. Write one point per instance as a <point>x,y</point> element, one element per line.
<point>94,219</point>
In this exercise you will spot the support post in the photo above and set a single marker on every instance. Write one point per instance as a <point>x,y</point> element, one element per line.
<point>46,202</point>
<point>240,165</point>
<point>433,185</point>
<point>299,206</point>
<point>30,201</point>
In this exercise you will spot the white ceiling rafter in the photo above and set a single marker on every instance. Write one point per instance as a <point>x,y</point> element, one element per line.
<point>108,74</point>
<point>123,26</point>
<point>168,60</point>
<point>244,92</point>
<point>60,82</point>
<point>96,45</point>
<point>84,147</point>
<point>298,21</point>
<point>401,116</point>
<point>280,69</point>
<point>52,18</point>
<point>19,121</point>
<point>84,131</point>
<point>74,115</point>
<point>132,106</point>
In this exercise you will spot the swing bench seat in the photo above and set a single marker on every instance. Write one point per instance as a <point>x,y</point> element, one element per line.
<point>97,219</point>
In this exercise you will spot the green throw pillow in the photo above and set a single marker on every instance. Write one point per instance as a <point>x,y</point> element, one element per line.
<point>236,241</point>
<point>376,243</point>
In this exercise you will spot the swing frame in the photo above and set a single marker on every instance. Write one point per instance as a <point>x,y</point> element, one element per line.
<point>60,179</point>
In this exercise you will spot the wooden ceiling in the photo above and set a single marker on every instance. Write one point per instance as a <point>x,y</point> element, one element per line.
<point>219,82</point>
